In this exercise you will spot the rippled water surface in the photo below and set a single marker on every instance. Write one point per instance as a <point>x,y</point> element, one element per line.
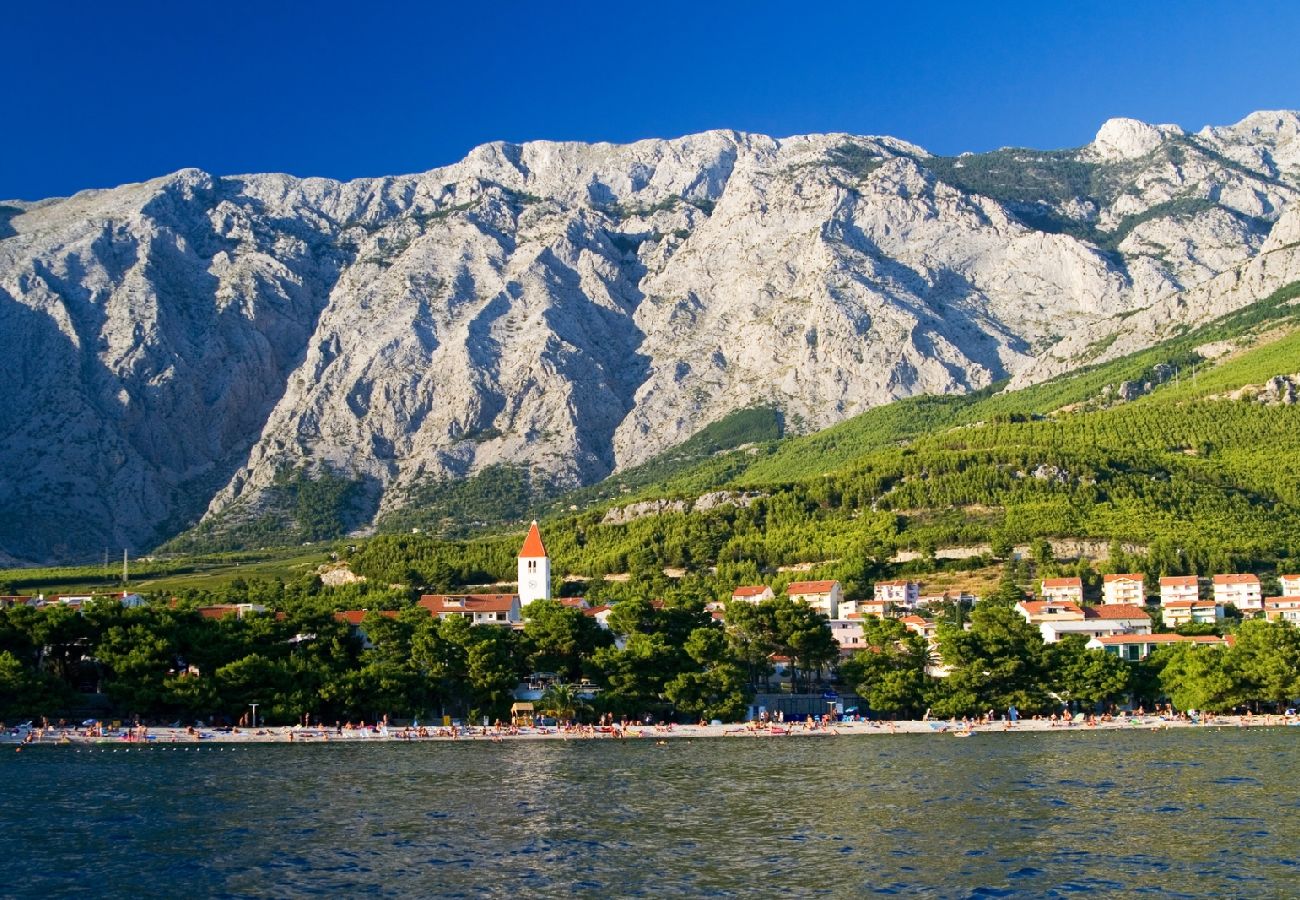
<point>1178,813</point>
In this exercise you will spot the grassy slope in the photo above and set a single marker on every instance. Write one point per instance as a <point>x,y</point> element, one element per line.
<point>840,445</point>
<point>200,571</point>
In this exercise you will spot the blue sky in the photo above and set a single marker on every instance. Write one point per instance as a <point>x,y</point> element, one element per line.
<point>99,93</point>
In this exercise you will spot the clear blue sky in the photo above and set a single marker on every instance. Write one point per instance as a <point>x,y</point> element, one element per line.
<point>100,93</point>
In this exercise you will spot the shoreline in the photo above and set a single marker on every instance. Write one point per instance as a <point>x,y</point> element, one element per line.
<point>168,737</point>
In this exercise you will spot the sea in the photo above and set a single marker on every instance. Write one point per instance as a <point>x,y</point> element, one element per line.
<point>1203,812</point>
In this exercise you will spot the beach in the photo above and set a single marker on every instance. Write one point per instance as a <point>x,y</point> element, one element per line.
<point>348,735</point>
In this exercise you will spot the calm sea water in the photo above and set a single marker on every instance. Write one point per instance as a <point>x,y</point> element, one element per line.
<point>1179,813</point>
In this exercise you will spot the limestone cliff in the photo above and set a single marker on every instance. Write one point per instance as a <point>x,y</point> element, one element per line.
<point>175,346</point>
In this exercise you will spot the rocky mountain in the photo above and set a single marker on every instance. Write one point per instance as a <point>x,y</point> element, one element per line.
<point>182,349</point>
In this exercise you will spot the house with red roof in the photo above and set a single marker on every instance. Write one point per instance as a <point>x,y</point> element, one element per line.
<point>874,607</point>
<point>1067,589</point>
<point>1239,590</point>
<point>1184,612</point>
<point>479,609</point>
<point>1290,585</point>
<point>1177,588</point>
<point>823,596</point>
<point>1036,612</point>
<point>1055,620</point>
<point>1128,589</point>
<point>1137,647</point>
<point>926,628</point>
<point>1282,609</point>
<point>752,593</point>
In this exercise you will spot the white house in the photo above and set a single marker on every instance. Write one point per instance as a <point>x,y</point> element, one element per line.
<point>1179,589</point>
<point>1200,612</point>
<point>752,593</point>
<point>1135,647</point>
<point>1036,612</point>
<point>1290,585</point>
<point>480,609</point>
<point>874,607</point>
<point>1242,591</point>
<point>899,593</point>
<point>1127,589</point>
<point>1283,609</point>
<point>534,568</point>
<point>1098,621</point>
<point>848,634</point>
<point>920,625</point>
<point>823,596</point>
<point>1070,589</point>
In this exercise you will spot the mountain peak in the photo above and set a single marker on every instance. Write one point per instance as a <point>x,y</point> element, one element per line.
<point>1122,138</point>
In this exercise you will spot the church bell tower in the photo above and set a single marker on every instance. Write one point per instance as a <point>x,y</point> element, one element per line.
<point>534,569</point>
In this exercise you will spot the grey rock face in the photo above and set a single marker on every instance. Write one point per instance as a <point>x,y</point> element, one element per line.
<point>576,309</point>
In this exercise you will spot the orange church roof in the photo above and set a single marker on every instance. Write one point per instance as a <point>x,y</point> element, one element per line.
<point>533,547</point>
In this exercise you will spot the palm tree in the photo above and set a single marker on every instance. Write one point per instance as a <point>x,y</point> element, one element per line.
<point>562,702</point>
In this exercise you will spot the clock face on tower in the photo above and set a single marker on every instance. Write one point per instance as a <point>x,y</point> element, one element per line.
<point>532,582</point>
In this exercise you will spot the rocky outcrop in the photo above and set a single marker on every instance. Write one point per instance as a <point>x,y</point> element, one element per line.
<point>621,515</point>
<point>576,309</point>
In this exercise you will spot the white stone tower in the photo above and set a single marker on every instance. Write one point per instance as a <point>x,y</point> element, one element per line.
<point>534,568</point>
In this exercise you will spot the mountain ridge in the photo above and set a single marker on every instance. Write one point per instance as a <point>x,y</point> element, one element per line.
<point>576,309</point>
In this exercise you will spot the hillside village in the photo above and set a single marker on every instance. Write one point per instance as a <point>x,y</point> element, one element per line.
<point>1116,619</point>
<point>840,643</point>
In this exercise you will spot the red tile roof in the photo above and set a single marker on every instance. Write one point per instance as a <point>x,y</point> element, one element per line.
<point>440,603</point>
<point>749,590</point>
<point>573,602</point>
<point>533,547</point>
<point>1040,607</point>
<point>1063,582</point>
<point>1116,611</point>
<point>595,610</point>
<point>1187,604</point>
<point>810,587</point>
<point>1236,579</point>
<point>218,612</point>
<point>915,620</point>
<point>1162,639</point>
<point>1179,581</point>
<point>1107,579</point>
<point>354,616</point>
